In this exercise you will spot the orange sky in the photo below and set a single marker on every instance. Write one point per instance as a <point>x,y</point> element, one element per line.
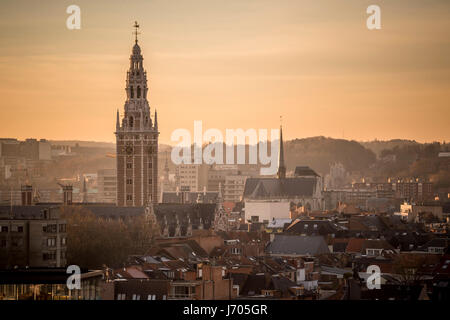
<point>232,64</point>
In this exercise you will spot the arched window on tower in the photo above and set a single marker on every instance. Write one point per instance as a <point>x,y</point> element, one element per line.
<point>131,93</point>
<point>138,92</point>
<point>131,122</point>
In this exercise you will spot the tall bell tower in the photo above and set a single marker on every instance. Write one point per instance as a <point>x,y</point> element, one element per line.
<point>136,139</point>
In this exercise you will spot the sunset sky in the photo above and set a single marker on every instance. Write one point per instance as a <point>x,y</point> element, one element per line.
<point>232,64</point>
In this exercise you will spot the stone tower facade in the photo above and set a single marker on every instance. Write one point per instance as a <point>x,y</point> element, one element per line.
<point>137,140</point>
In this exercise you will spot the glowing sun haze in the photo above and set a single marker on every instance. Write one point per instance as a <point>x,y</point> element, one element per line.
<point>231,64</point>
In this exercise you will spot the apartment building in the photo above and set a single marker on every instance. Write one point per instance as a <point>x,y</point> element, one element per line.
<point>32,236</point>
<point>107,185</point>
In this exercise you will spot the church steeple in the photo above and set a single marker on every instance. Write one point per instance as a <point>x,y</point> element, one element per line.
<point>281,167</point>
<point>136,138</point>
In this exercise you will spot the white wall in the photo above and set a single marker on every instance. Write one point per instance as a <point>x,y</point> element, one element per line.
<point>266,210</point>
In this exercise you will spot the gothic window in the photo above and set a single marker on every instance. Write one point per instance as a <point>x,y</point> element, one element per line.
<point>131,122</point>
<point>131,93</point>
<point>138,92</point>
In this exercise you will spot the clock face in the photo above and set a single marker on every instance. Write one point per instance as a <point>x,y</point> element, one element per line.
<point>129,149</point>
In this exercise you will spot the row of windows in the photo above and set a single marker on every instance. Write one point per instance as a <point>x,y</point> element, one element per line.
<point>15,242</point>
<point>130,165</point>
<point>13,229</point>
<point>51,242</point>
<point>130,181</point>
<point>136,137</point>
<point>122,296</point>
<point>138,92</point>
<point>52,228</point>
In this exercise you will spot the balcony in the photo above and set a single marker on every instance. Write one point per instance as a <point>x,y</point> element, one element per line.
<point>182,296</point>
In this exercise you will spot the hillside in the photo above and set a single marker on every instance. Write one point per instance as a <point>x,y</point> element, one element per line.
<point>320,152</point>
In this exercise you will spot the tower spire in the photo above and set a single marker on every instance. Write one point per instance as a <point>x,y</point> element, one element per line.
<point>117,121</point>
<point>135,32</point>
<point>281,166</point>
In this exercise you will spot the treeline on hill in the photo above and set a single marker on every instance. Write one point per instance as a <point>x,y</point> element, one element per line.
<point>320,152</point>
<point>416,160</point>
<point>93,242</point>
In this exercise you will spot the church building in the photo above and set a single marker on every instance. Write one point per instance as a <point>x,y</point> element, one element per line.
<point>272,198</point>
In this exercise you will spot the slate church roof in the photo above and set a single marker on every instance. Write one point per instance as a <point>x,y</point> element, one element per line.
<point>273,187</point>
<point>304,171</point>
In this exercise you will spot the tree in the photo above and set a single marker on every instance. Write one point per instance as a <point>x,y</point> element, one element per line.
<point>93,242</point>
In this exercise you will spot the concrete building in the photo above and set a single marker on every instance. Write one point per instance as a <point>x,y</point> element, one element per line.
<point>217,175</point>
<point>234,188</point>
<point>107,185</point>
<point>191,177</point>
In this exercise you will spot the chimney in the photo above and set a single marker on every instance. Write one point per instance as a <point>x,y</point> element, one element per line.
<point>27,195</point>
<point>67,193</point>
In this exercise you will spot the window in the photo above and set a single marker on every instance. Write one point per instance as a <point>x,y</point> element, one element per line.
<point>3,243</point>
<point>121,296</point>
<point>129,165</point>
<point>129,181</point>
<point>63,241</point>
<point>49,256</point>
<point>129,197</point>
<point>138,92</point>
<point>51,242</point>
<point>62,228</point>
<point>150,181</point>
<point>149,165</point>
<point>131,92</point>
<point>131,122</point>
<point>51,228</point>
<point>136,297</point>
<point>4,229</point>
<point>235,250</point>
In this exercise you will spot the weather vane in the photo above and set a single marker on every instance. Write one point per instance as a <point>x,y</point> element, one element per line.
<point>136,27</point>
